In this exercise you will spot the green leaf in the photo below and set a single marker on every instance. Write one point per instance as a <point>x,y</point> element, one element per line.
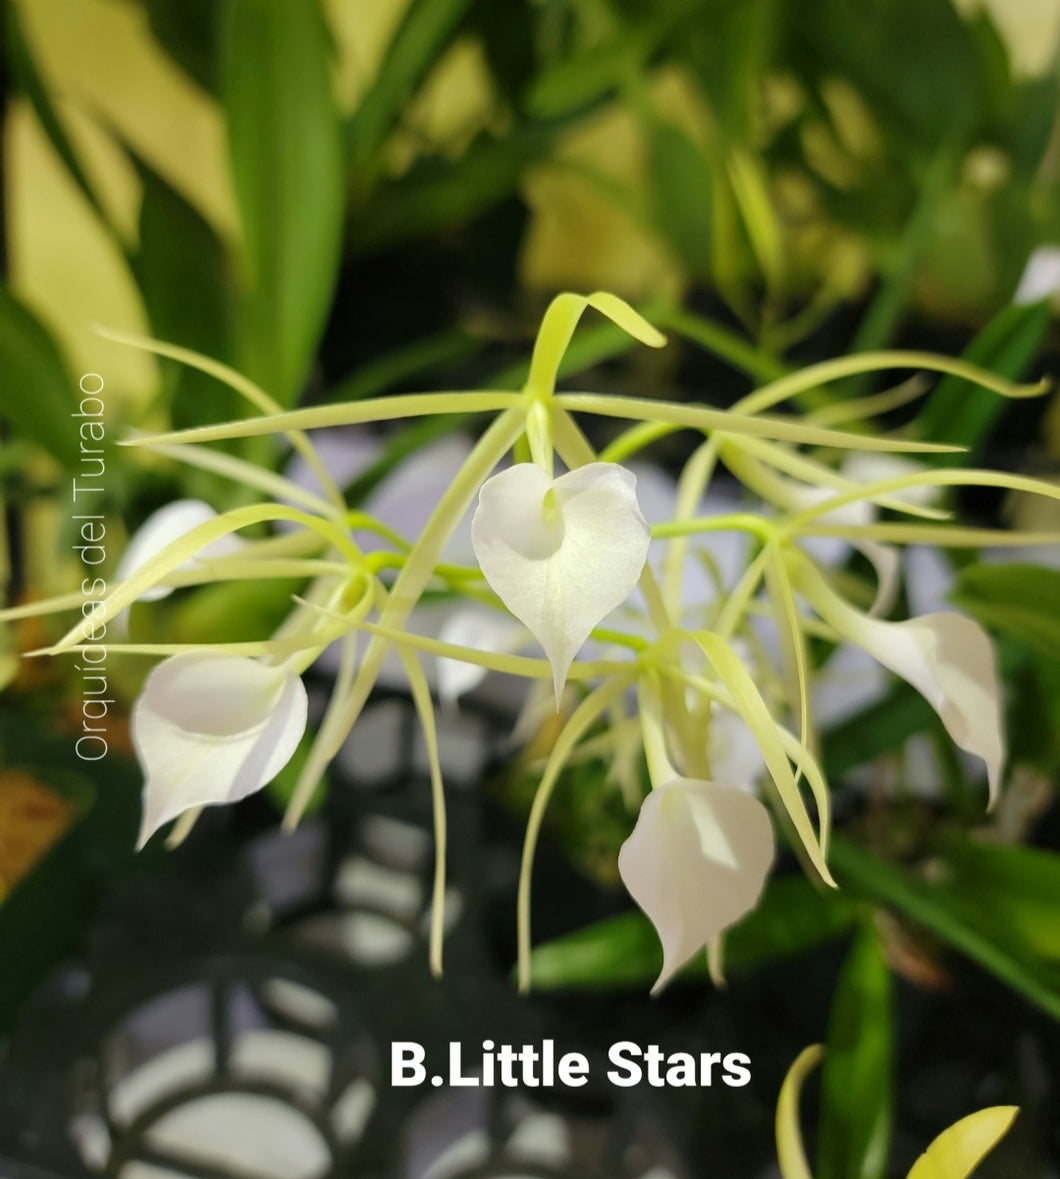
<point>183,276</point>
<point>1013,888</point>
<point>961,413</point>
<point>1018,600</point>
<point>730,54</point>
<point>287,163</point>
<point>582,78</point>
<point>435,194</point>
<point>957,1152</point>
<point>943,911</point>
<point>857,1078</point>
<point>681,184</point>
<point>913,61</point>
<point>876,730</point>
<point>624,951</point>
<point>39,394</point>
<point>426,31</point>
<point>30,82</point>
<point>510,41</point>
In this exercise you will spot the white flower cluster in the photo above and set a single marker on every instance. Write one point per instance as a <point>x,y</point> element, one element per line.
<point>702,678</point>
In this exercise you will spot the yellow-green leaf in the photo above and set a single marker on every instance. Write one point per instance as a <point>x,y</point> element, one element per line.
<point>791,1154</point>
<point>286,149</point>
<point>956,1152</point>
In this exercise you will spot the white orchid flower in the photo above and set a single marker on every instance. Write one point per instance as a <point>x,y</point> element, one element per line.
<point>210,729</point>
<point>696,862</point>
<point>561,553</point>
<point>160,530</point>
<point>947,657</point>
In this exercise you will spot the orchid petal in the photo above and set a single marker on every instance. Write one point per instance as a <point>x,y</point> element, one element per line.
<point>210,729</point>
<point>696,862</point>
<point>948,659</point>
<point>956,1152</point>
<point>560,554</point>
<point>1040,278</point>
<point>160,530</point>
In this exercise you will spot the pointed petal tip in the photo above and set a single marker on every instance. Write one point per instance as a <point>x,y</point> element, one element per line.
<point>958,1150</point>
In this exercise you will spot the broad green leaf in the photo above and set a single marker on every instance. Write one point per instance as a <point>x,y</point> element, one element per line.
<point>962,413</point>
<point>858,1074</point>
<point>585,77</point>
<point>876,730</point>
<point>1012,887</point>
<point>956,1152</point>
<point>624,951</point>
<point>182,272</point>
<point>681,184</point>
<point>39,395</point>
<point>1021,111</point>
<point>435,194</point>
<point>943,911</point>
<point>913,61</point>
<point>510,41</point>
<point>730,54</point>
<point>426,31</point>
<point>28,78</point>
<point>287,163</point>
<point>1018,600</point>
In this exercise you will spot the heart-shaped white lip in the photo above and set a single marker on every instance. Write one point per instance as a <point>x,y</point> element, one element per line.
<point>561,553</point>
